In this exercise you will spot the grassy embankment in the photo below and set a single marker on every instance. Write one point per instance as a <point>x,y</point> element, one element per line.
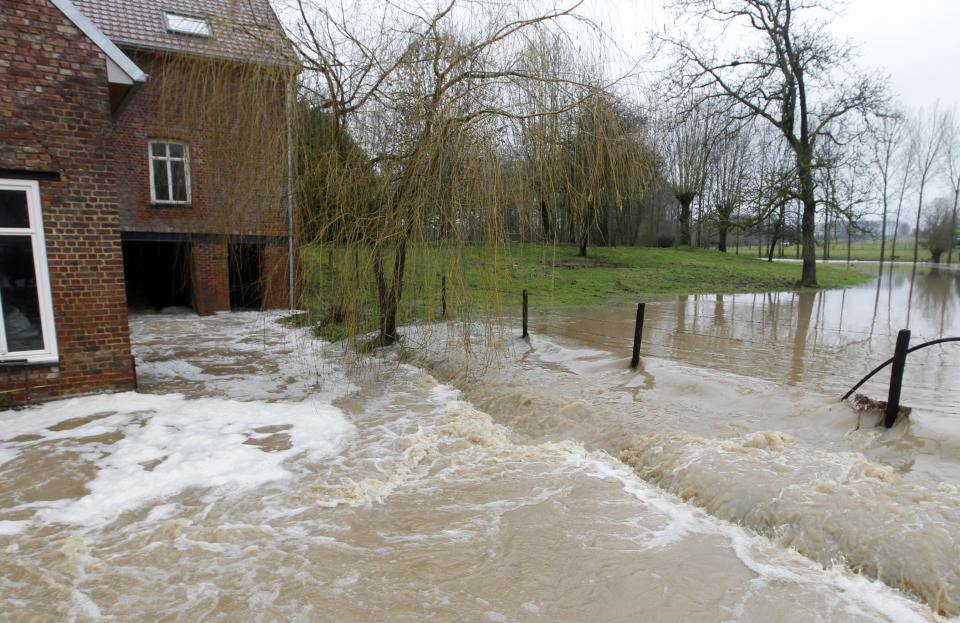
<point>486,279</point>
<point>870,251</point>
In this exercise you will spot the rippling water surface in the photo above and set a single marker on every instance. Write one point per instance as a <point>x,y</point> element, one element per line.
<point>262,475</point>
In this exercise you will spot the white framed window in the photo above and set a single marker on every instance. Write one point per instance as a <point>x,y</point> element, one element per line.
<point>26,331</point>
<point>169,172</point>
<point>187,24</point>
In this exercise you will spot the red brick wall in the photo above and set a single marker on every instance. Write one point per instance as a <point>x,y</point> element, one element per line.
<point>210,277</point>
<point>54,115</point>
<point>217,208</point>
<point>153,114</point>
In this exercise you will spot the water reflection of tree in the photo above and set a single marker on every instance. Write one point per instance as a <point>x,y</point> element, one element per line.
<point>719,315</point>
<point>805,302</point>
<point>936,298</point>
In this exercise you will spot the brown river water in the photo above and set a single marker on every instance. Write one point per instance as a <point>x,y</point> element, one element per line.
<point>262,475</point>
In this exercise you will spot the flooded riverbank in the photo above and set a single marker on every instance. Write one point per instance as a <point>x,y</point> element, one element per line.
<point>263,475</point>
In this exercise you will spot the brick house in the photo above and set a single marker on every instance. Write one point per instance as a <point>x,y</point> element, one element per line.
<point>108,200</point>
<point>195,231</point>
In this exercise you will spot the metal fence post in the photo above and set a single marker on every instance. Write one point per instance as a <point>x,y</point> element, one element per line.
<point>637,334</point>
<point>896,377</point>
<point>525,332</point>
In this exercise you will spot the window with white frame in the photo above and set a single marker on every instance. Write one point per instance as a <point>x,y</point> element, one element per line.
<point>27,330</point>
<point>187,24</point>
<point>169,172</point>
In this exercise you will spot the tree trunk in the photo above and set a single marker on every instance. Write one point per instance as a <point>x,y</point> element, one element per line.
<point>583,245</point>
<point>796,235</point>
<point>916,232</point>
<point>826,233</point>
<point>722,236</point>
<point>685,202</point>
<point>883,221</point>
<point>777,234</point>
<point>953,224</point>
<point>388,294</point>
<point>544,220</point>
<point>808,277</point>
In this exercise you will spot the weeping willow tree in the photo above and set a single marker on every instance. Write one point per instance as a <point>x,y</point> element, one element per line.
<point>431,100</point>
<point>687,146</point>
<point>606,162</point>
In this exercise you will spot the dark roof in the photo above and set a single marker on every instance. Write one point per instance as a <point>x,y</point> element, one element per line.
<point>241,29</point>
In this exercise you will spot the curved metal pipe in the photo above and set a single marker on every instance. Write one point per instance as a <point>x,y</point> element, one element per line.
<point>889,361</point>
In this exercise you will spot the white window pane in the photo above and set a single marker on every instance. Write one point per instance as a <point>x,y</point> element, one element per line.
<point>188,24</point>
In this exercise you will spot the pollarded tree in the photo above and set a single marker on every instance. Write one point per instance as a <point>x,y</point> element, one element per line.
<point>952,157</point>
<point>686,146</point>
<point>728,180</point>
<point>790,72</point>
<point>938,231</point>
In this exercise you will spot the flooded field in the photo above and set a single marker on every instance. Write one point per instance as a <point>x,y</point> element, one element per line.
<point>262,475</point>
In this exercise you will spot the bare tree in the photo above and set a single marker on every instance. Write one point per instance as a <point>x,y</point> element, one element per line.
<point>794,75</point>
<point>773,186</point>
<point>887,139</point>
<point>904,158</point>
<point>952,155</point>
<point>926,136</point>
<point>728,180</point>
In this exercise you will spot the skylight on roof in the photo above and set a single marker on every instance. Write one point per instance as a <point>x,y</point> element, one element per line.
<point>187,24</point>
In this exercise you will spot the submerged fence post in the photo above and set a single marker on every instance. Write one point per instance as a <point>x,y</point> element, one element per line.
<point>525,333</point>
<point>443,294</point>
<point>637,334</point>
<point>896,377</point>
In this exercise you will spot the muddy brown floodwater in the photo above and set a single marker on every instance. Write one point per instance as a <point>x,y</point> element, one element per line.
<point>262,475</point>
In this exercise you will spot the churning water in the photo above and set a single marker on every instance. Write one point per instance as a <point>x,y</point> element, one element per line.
<point>263,475</point>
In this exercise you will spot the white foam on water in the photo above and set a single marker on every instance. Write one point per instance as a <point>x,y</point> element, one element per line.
<point>11,528</point>
<point>171,443</point>
<point>239,355</point>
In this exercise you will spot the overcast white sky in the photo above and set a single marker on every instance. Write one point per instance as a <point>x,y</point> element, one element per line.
<point>914,41</point>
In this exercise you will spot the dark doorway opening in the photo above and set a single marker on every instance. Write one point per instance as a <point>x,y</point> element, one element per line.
<point>246,288</point>
<point>157,274</point>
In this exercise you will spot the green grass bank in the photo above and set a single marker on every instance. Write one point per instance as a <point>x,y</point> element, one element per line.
<point>870,251</point>
<point>487,279</point>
